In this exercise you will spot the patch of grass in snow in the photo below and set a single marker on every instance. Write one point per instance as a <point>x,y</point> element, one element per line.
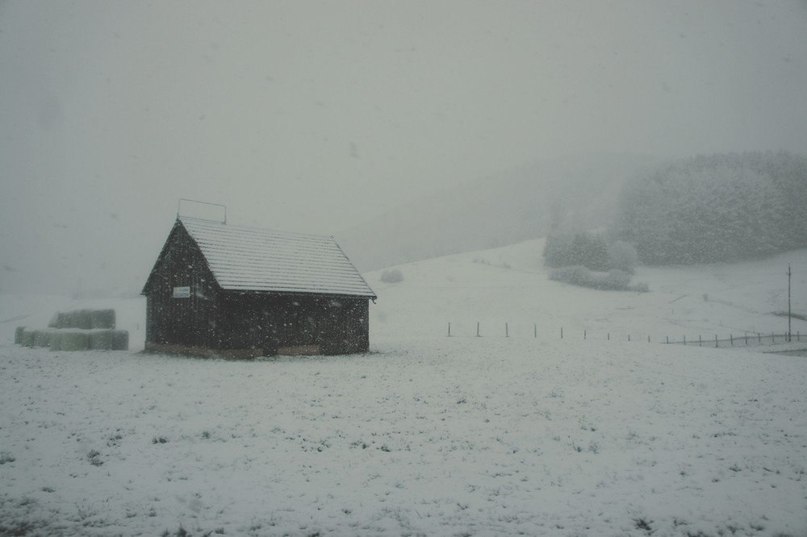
<point>114,439</point>
<point>18,517</point>
<point>644,525</point>
<point>182,532</point>
<point>6,457</point>
<point>798,316</point>
<point>94,457</point>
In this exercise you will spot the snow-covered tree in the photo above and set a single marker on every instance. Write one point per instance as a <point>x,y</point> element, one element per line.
<point>716,208</point>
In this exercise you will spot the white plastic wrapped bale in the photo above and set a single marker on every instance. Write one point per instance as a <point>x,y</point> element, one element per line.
<point>61,320</point>
<point>103,319</point>
<point>109,340</point>
<point>74,341</point>
<point>73,319</point>
<point>41,338</point>
<point>18,335</point>
<point>27,338</point>
<point>82,319</point>
<point>56,340</point>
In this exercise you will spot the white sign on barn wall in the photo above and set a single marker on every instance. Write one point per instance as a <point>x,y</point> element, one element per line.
<point>182,292</point>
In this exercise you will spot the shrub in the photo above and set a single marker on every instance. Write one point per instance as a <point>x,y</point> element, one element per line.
<point>586,249</point>
<point>613,280</point>
<point>622,256</point>
<point>392,276</point>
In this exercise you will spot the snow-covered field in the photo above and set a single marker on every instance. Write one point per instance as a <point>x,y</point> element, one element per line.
<point>429,435</point>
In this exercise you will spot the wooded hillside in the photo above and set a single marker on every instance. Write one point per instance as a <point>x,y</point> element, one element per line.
<point>722,207</point>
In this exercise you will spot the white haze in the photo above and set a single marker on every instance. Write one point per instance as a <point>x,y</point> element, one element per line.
<point>318,116</point>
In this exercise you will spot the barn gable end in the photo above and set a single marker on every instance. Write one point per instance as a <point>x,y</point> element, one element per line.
<point>182,295</point>
<point>237,291</point>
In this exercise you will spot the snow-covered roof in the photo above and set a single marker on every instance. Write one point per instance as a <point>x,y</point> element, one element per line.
<point>254,259</point>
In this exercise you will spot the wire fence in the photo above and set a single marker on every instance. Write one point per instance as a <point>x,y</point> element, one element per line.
<point>747,339</point>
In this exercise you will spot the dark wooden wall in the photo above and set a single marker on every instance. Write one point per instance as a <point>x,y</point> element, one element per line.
<point>227,320</point>
<point>270,321</point>
<point>181,321</point>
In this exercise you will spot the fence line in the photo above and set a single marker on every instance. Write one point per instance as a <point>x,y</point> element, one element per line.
<point>755,339</point>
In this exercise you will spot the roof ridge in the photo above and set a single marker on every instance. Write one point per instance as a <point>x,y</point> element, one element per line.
<point>249,257</point>
<point>227,226</point>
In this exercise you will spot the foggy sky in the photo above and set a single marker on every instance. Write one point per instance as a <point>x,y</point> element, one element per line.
<point>315,116</point>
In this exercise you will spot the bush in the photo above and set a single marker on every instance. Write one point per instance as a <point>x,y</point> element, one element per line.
<point>622,256</point>
<point>585,249</point>
<point>613,280</point>
<point>392,276</point>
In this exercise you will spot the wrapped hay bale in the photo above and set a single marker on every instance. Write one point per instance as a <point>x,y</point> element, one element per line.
<point>64,319</point>
<point>18,335</point>
<point>74,341</point>
<point>41,338</point>
<point>27,338</point>
<point>82,319</point>
<point>56,340</point>
<point>74,319</point>
<point>110,340</point>
<point>103,319</point>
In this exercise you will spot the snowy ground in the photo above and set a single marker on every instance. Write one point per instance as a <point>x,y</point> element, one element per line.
<point>427,435</point>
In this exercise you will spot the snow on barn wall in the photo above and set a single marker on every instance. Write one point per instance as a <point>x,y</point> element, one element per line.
<point>218,289</point>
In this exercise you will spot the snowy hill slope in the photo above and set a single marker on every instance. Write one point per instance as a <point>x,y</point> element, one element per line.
<point>579,192</point>
<point>510,285</point>
<point>428,435</point>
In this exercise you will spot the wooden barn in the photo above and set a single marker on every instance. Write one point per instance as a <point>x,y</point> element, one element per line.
<point>219,289</point>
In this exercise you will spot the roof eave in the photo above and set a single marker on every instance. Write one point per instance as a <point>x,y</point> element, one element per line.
<point>299,293</point>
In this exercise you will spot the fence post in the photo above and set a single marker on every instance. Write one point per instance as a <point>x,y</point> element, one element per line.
<point>648,339</point>
<point>506,330</point>
<point>609,336</point>
<point>746,339</point>
<point>561,332</point>
<point>477,328</point>
<point>585,334</point>
<point>628,337</point>
<point>716,341</point>
<point>700,341</point>
<point>668,340</point>
<point>685,340</point>
<point>773,338</point>
<point>759,335</point>
<point>535,330</point>
<point>449,329</point>
<point>731,338</point>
